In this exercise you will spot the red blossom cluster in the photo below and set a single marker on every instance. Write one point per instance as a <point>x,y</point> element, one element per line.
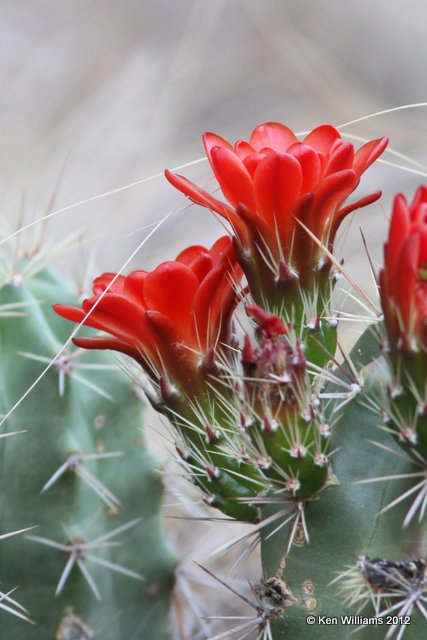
<point>169,319</point>
<point>276,188</point>
<point>280,193</point>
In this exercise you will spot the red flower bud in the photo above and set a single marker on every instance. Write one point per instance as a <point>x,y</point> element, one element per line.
<point>169,320</point>
<point>272,182</point>
<point>403,280</point>
<point>269,325</point>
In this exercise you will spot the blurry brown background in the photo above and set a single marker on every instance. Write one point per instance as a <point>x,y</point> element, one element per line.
<point>106,93</point>
<point>96,94</point>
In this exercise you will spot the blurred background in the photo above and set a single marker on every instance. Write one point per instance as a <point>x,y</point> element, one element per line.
<point>101,94</point>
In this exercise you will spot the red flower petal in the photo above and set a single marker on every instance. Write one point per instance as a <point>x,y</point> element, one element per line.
<point>310,165</point>
<point>199,196</point>
<point>196,258</point>
<point>259,230</point>
<point>207,314</point>
<point>116,315</point>
<point>420,196</point>
<point>331,193</point>
<point>69,313</point>
<point>422,234</point>
<point>408,276</point>
<point>101,283</point>
<point>300,242</point>
<point>165,328</point>
<point>343,213</point>
<point>211,140</point>
<point>399,231</point>
<point>251,162</point>
<point>367,154</point>
<point>103,319</point>
<point>222,247</point>
<point>243,149</point>
<point>170,290</point>
<point>277,184</point>
<point>108,343</point>
<point>133,287</point>
<point>273,135</point>
<point>419,215</point>
<point>322,138</point>
<point>233,177</point>
<point>340,159</point>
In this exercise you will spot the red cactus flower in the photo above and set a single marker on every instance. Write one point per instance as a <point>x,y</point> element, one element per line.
<point>168,320</point>
<point>271,182</point>
<point>403,280</point>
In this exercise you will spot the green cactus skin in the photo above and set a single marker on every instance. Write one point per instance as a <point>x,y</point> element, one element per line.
<point>79,422</point>
<point>406,406</point>
<point>344,523</point>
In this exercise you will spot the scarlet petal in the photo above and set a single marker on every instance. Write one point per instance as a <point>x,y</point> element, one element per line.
<point>301,243</point>
<point>69,313</point>
<point>233,177</point>
<point>199,196</point>
<point>340,159</point>
<point>310,165</point>
<point>322,138</point>
<point>422,258</point>
<point>259,230</point>
<point>408,276</point>
<point>164,328</point>
<point>251,162</point>
<point>399,231</point>
<point>211,140</point>
<point>368,154</point>
<point>133,286</point>
<point>223,297</point>
<point>222,247</point>
<point>108,343</point>
<point>419,215</point>
<point>170,290</point>
<point>243,149</point>
<point>207,315</point>
<point>277,184</point>
<point>101,283</point>
<point>116,315</point>
<point>273,135</point>
<point>331,193</point>
<point>343,213</point>
<point>420,196</point>
<point>98,319</point>
<point>197,259</point>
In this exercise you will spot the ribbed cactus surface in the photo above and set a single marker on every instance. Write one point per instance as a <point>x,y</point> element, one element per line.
<point>97,563</point>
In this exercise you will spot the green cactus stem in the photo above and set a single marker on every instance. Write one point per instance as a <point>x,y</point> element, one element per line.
<point>98,562</point>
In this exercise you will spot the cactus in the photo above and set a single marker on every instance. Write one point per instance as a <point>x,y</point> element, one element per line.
<point>323,454</point>
<point>337,573</point>
<point>82,475</point>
